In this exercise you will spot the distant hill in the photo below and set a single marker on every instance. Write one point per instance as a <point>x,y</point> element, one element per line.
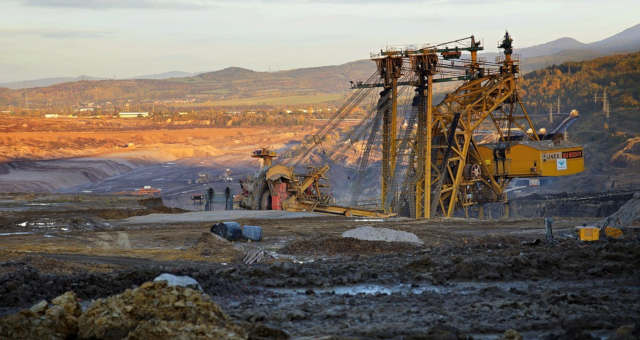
<point>25,84</point>
<point>534,57</point>
<point>44,82</point>
<point>625,41</point>
<point>550,48</point>
<point>165,75</point>
<point>224,85</point>
<point>232,86</point>
<point>568,49</point>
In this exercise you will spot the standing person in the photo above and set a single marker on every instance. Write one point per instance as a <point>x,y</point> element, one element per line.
<point>209,199</point>
<point>228,199</point>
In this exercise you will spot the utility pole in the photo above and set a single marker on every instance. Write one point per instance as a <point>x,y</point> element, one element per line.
<point>605,105</point>
<point>558,106</point>
<point>606,108</point>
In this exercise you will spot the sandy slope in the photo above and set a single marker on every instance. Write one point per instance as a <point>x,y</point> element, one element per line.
<point>45,161</point>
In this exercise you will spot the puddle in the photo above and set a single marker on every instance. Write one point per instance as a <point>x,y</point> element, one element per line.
<point>16,233</point>
<point>367,289</point>
<point>458,288</point>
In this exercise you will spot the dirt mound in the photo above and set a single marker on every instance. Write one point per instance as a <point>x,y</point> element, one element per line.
<point>58,320</point>
<point>345,246</point>
<point>209,244</point>
<point>154,310</point>
<point>150,205</point>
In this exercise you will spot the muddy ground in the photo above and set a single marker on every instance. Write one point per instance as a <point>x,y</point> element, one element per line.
<point>473,277</point>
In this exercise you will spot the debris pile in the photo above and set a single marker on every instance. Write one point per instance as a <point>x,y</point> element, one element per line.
<point>154,310</point>
<point>58,320</point>
<point>256,255</point>
<point>382,234</point>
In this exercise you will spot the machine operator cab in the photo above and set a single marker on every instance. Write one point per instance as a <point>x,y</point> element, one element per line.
<point>533,158</point>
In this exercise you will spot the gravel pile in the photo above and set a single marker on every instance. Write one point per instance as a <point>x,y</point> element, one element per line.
<point>382,234</point>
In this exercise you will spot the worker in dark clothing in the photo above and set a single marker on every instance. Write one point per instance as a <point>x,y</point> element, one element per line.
<point>228,199</point>
<point>208,206</point>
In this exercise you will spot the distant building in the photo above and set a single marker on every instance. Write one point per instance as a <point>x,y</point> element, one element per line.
<point>133,114</point>
<point>51,115</point>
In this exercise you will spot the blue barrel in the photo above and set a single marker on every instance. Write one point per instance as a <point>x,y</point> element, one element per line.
<point>231,231</point>
<point>234,231</point>
<point>252,232</point>
<point>231,223</point>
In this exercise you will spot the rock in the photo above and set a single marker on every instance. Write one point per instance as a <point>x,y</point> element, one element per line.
<point>43,321</point>
<point>382,234</point>
<point>180,281</point>
<point>511,334</point>
<point>69,302</point>
<point>39,307</point>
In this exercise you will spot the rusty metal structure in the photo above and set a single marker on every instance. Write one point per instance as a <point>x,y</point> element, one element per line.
<point>278,187</point>
<point>434,164</point>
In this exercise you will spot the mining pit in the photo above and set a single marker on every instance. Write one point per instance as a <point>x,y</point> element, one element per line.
<point>471,278</point>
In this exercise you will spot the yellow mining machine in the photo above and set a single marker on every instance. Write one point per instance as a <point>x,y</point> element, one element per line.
<point>434,164</point>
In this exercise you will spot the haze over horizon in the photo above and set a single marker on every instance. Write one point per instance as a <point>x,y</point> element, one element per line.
<point>124,38</point>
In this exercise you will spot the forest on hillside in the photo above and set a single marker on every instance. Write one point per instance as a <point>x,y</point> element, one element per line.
<point>612,154</point>
<point>576,83</point>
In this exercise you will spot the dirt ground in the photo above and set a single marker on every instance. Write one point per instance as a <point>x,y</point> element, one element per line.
<point>471,278</point>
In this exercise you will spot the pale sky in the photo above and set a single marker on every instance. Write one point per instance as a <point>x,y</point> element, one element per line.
<point>123,38</point>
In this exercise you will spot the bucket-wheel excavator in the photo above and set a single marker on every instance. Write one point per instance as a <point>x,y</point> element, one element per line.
<point>438,160</point>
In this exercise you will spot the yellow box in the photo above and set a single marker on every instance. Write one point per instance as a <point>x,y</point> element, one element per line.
<point>613,232</point>
<point>533,158</point>
<point>588,233</point>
